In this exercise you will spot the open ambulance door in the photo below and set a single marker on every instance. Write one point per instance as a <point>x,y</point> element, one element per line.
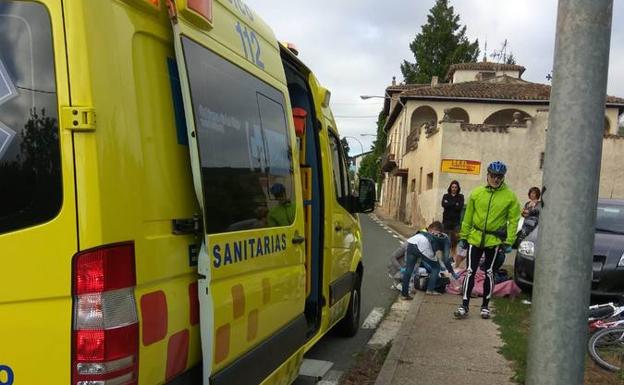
<point>247,180</point>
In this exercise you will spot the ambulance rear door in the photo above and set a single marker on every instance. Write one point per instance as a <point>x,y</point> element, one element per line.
<point>242,149</point>
<point>38,235</point>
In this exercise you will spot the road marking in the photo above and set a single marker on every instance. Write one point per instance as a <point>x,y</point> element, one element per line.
<point>331,378</point>
<point>314,368</point>
<point>390,326</point>
<point>387,228</point>
<point>374,318</point>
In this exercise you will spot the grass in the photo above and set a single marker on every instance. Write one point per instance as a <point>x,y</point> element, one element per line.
<point>513,319</point>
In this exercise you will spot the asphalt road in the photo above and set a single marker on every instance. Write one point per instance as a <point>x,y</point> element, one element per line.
<point>376,292</point>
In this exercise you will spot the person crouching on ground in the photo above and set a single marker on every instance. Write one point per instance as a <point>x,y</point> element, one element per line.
<point>489,208</point>
<point>422,248</point>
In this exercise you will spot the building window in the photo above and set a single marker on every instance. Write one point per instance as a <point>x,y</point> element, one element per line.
<point>429,181</point>
<point>541,164</point>
<point>413,185</point>
<point>420,181</point>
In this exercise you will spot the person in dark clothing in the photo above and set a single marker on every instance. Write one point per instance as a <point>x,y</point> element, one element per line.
<point>452,202</point>
<point>530,213</point>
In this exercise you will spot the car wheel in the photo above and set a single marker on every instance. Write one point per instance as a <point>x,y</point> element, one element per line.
<point>350,324</point>
<point>524,287</point>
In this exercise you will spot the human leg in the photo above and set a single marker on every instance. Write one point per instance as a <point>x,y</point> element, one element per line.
<point>488,285</point>
<point>433,267</point>
<point>411,257</point>
<point>474,255</point>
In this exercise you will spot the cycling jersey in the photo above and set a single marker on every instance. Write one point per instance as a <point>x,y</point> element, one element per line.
<point>489,210</point>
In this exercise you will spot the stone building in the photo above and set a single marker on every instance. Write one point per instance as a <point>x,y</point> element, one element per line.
<point>441,132</point>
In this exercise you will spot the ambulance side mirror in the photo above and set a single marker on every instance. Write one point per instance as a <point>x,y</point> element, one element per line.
<point>366,195</point>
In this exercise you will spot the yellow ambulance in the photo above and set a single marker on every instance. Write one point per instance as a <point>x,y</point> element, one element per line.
<point>175,205</point>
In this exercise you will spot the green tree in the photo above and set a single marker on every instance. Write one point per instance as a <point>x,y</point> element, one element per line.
<point>345,146</point>
<point>511,59</point>
<point>370,165</point>
<point>441,42</point>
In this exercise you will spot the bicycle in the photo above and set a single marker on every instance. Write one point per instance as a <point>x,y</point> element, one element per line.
<point>601,316</point>
<point>606,347</point>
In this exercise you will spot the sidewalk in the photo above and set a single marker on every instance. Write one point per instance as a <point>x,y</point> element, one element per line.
<point>434,348</point>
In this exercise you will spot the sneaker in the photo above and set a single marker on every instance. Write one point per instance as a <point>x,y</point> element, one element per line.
<point>461,312</point>
<point>485,313</point>
<point>406,297</point>
<point>432,293</point>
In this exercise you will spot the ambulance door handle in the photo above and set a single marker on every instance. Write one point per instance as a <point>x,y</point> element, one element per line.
<point>201,276</point>
<point>338,227</point>
<point>298,239</point>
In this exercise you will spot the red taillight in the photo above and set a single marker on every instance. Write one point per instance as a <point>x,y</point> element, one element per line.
<point>104,269</point>
<point>105,337</point>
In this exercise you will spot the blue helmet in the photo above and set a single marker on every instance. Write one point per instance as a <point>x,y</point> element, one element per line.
<point>278,189</point>
<point>497,167</point>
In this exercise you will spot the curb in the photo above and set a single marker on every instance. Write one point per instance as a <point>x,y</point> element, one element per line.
<point>386,374</point>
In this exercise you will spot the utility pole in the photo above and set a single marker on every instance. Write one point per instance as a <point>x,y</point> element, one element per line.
<point>563,264</point>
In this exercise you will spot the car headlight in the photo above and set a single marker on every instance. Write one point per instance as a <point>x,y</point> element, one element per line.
<point>528,248</point>
<point>621,263</point>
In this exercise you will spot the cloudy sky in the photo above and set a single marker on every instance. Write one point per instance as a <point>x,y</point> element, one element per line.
<point>355,47</point>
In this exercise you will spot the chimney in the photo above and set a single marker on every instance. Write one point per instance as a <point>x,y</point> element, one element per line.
<point>394,80</point>
<point>434,81</point>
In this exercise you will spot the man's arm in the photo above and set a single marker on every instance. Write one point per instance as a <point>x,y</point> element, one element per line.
<point>446,258</point>
<point>466,225</point>
<point>398,256</point>
<point>513,216</point>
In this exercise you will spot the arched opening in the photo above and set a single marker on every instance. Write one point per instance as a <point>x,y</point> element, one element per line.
<point>423,115</point>
<point>457,114</point>
<point>506,117</point>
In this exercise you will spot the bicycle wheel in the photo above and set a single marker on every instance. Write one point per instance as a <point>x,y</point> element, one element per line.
<point>606,348</point>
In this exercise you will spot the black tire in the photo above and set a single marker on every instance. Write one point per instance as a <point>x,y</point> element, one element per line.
<point>350,324</point>
<point>524,287</point>
<point>606,348</point>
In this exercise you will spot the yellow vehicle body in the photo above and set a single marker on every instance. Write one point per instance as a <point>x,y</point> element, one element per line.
<point>134,113</point>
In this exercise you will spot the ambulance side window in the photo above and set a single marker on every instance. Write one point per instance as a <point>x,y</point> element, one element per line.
<point>341,176</point>
<point>31,190</point>
<point>244,144</point>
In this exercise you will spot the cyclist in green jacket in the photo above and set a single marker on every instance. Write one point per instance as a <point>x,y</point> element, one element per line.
<point>491,210</point>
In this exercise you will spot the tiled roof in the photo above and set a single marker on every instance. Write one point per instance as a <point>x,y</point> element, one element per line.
<point>405,87</point>
<point>483,66</point>
<point>496,89</point>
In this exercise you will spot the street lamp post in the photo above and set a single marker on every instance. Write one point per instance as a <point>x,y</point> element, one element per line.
<point>357,140</point>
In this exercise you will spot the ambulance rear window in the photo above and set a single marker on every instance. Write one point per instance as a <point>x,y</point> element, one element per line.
<point>30,176</point>
<point>244,145</point>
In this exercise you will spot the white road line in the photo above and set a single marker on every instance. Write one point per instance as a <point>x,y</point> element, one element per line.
<point>314,368</point>
<point>331,378</point>
<point>374,318</point>
<point>390,326</point>
<point>387,228</point>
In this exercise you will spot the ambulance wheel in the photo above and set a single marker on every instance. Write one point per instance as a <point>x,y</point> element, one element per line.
<point>350,324</point>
